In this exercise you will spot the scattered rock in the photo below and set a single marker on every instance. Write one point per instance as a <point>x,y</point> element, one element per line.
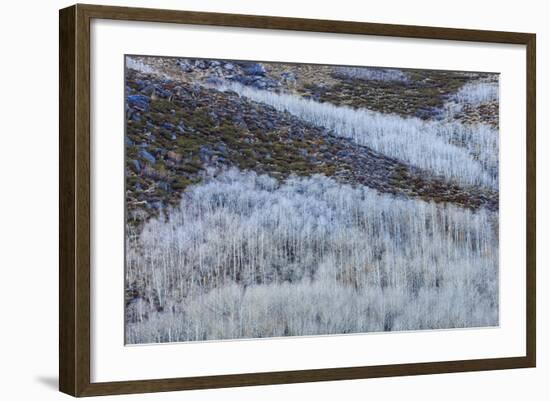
<point>148,90</point>
<point>138,102</point>
<point>147,156</point>
<point>175,157</point>
<point>185,67</point>
<point>201,64</point>
<point>136,166</point>
<point>254,69</point>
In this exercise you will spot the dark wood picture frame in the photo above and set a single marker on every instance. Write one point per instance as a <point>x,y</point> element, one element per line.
<point>74,200</point>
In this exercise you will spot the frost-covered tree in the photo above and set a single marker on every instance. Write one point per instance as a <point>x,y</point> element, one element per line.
<point>246,256</point>
<point>463,153</point>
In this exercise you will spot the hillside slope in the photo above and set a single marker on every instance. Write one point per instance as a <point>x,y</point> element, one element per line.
<point>176,130</point>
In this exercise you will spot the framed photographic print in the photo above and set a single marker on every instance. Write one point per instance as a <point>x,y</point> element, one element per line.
<point>250,200</point>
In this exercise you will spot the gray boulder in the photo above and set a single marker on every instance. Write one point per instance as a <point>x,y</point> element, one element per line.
<point>147,156</point>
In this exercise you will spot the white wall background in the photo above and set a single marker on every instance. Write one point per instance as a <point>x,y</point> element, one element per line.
<point>29,184</point>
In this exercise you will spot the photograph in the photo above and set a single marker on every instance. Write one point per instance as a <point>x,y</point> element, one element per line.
<point>242,200</point>
<point>268,199</point>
